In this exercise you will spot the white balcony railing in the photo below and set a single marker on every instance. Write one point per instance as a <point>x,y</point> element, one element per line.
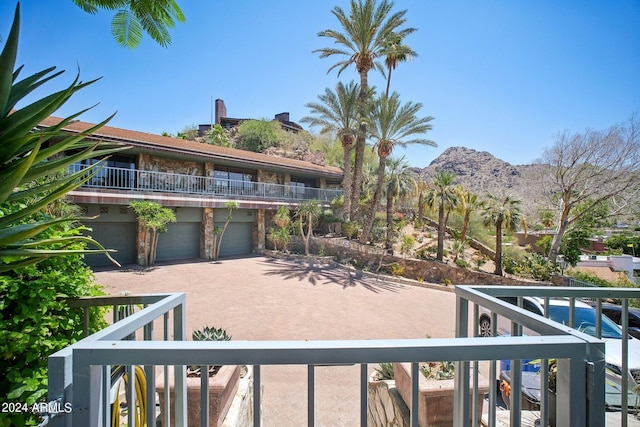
<point>79,375</point>
<point>141,180</point>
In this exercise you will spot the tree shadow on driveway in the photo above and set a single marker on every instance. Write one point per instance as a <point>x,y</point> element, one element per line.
<point>322,274</point>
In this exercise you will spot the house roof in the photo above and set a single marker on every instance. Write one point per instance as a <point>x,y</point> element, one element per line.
<point>605,273</point>
<point>195,149</point>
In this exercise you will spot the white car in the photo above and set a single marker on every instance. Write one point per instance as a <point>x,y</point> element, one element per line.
<point>584,321</point>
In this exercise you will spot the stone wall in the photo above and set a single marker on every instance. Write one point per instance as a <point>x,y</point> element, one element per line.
<point>372,258</point>
<point>385,406</point>
<point>270,177</point>
<point>162,164</point>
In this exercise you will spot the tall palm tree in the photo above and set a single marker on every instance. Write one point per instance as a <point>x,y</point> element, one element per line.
<point>337,112</point>
<point>390,123</point>
<point>361,41</point>
<point>133,17</point>
<point>501,214</point>
<point>421,190</point>
<point>442,197</point>
<point>400,183</point>
<point>395,52</point>
<point>467,204</point>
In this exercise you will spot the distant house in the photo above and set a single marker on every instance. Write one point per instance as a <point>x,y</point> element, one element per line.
<point>610,267</point>
<point>230,122</point>
<point>195,180</point>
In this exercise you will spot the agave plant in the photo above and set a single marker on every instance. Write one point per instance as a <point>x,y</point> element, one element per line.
<point>207,333</point>
<point>30,153</point>
<point>210,333</point>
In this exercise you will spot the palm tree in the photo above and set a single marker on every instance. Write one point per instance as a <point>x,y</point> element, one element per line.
<point>362,41</point>
<point>396,52</point>
<point>442,197</point>
<point>400,183</point>
<point>422,188</point>
<point>467,204</point>
<point>390,123</point>
<point>501,214</point>
<point>337,112</point>
<point>133,17</point>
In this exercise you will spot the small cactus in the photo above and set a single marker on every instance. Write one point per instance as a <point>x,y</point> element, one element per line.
<point>210,334</point>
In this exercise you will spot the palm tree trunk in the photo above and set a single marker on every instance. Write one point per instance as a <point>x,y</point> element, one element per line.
<point>347,182</point>
<point>498,270</point>
<point>441,231</point>
<point>465,225</point>
<point>388,83</point>
<point>360,145</point>
<point>366,232</point>
<point>389,243</point>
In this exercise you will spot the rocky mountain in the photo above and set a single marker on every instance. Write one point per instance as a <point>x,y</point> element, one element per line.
<point>482,173</point>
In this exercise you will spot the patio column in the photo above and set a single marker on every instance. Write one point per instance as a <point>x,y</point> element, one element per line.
<point>259,237</point>
<point>206,234</point>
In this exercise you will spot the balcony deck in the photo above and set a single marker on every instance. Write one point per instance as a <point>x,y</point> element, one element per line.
<point>277,354</point>
<point>143,181</point>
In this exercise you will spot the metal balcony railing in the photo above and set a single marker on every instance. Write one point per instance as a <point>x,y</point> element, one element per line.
<point>141,180</point>
<point>79,375</point>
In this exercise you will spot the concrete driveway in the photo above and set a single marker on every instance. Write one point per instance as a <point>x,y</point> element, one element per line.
<point>258,298</point>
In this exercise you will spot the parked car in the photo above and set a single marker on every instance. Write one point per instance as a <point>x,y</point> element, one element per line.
<point>614,312</point>
<point>584,321</point>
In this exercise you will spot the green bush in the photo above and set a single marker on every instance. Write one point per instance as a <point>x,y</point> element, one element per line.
<point>407,244</point>
<point>462,263</point>
<point>257,135</point>
<point>536,267</point>
<point>350,229</point>
<point>35,321</point>
<point>395,269</point>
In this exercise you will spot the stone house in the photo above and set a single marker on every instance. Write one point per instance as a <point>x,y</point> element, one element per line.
<point>196,180</point>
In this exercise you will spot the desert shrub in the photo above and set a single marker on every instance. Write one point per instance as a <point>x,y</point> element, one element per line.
<point>536,267</point>
<point>544,243</point>
<point>35,321</point>
<point>462,263</point>
<point>350,229</point>
<point>395,269</point>
<point>407,244</point>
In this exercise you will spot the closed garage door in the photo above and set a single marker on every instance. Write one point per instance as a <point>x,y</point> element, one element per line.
<point>181,241</point>
<point>182,238</point>
<point>237,239</point>
<point>113,235</point>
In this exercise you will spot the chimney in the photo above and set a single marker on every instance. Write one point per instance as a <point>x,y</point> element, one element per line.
<point>221,110</point>
<point>282,117</point>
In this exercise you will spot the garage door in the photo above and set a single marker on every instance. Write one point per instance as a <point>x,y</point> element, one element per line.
<point>237,239</point>
<point>114,235</point>
<point>181,241</point>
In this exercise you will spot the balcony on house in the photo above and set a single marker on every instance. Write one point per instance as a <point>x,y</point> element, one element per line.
<point>122,179</point>
<point>154,339</point>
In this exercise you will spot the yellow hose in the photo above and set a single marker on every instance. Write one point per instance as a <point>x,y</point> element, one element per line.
<point>140,407</point>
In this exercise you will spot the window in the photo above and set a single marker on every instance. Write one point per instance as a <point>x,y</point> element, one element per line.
<point>234,181</point>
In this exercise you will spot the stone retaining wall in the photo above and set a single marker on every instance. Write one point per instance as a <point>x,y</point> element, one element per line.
<point>373,259</point>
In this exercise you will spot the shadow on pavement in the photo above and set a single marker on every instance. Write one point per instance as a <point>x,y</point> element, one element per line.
<point>322,274</point>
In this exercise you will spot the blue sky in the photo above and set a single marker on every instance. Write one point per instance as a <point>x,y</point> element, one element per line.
<point>498,76</point>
